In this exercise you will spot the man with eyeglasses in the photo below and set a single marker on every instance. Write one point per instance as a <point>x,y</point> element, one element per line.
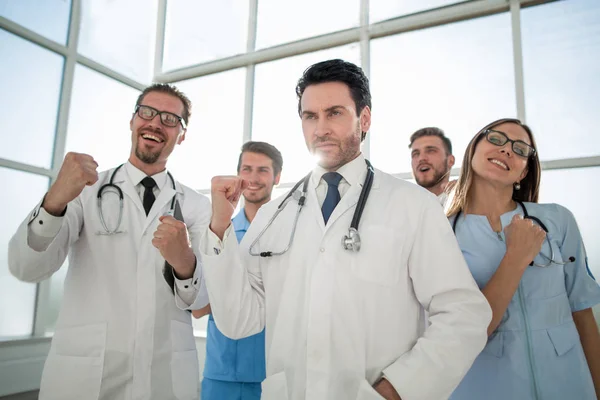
<point>132,236</point>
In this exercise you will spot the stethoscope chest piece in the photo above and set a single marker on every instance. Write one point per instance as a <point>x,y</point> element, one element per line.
<point>351,241</point>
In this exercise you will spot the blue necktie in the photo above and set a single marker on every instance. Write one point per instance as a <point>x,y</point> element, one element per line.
<point>333,194</point>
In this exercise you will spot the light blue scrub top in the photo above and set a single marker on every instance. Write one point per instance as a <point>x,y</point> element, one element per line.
<point>234,360</point>
<point>535,353</point>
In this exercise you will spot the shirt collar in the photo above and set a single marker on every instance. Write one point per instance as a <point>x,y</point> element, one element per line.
<point>240,222</point>
<point>137,175</point>
<point>352,172</point>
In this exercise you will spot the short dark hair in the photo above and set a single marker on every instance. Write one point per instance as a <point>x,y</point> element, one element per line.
<point>173,91</point>
<point>337,71</point>
<point>263,148</point>
<point>431,131</point>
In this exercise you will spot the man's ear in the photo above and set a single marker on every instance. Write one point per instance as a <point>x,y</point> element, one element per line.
<point>451,161</point>
<point>181,136</point>
<point>277,177</point>
<point>365,119</point>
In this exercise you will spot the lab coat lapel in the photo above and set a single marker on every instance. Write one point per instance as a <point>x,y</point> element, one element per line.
<point>128,188</point>
<point>346,203</point>
<point>162,204</point>
<point>349,202</point>
<point>315,207</point>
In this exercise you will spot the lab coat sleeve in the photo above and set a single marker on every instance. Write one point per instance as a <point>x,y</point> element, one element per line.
<point>195,295</point>
<point>234,283</point>
<point>187,290</point>
<point>42,230</point>
<point>459,314</point>
<point>33,254</point>
<point>582,289</point>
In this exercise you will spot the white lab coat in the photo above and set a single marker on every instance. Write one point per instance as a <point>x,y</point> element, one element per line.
<point>119,334</point>
<point>337,320</point>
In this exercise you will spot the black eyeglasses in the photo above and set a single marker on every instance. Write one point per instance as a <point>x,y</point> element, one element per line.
<point>519,147</point>
<point>168,119</point>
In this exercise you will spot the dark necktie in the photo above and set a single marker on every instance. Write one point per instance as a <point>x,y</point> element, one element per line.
<point>149,198</point>
<point>333,194</point>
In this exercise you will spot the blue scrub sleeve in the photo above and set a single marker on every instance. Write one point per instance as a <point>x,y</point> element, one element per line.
<point>582,288</point>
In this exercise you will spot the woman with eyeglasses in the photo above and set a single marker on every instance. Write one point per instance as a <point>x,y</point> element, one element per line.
<point>543,339</point>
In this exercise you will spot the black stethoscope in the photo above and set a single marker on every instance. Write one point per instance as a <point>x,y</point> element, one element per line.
<point>351,241</point>
<point>550,260</point>
<point>110,185</point>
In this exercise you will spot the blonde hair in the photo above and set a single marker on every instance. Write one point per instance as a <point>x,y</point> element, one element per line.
<point>530,185</point>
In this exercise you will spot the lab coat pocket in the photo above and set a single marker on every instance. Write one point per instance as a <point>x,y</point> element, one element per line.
<point>275,387</point>
<point>71,378</point>
<point>182,336</point>
<point>185,372</point>
<point>74,366</point>
<point>563,337</point>
<point>495,345</point>
<point>366,392</point>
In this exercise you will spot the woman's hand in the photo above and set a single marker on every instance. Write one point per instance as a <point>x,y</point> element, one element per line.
<point>524,240</point>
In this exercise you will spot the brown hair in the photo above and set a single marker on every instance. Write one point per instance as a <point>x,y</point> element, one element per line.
<point>432,131</point>
<point>266,149</point>
<point>173,91</point>
<point>530,184</point>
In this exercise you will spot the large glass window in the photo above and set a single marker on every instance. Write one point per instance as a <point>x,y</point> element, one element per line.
<point>101,109</point>
<point>286,21</point>
<point>30,78</point>
<point>380,10</point>
<point>457,77</point>
<point>561,57</point>
<point>120,35</point>
<point>22,191</point>
<point>49,18</point>
<point>575,189</point>
<point>276,119</point>
<point>214,137</point>
<point>194,35</point>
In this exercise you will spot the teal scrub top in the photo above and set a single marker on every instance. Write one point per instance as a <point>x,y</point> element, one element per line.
<point>535,353</point>
<point>234,360</point>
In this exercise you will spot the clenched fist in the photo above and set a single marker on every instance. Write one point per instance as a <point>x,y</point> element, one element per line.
<point>77,171</point>
<point>225,192</point>
<point>172,240</point>
<point>524,240</point>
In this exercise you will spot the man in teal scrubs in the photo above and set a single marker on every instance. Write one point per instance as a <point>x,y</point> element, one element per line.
<point>234,369</point>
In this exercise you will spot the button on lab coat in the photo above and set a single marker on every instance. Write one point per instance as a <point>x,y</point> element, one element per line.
<point>337,320</point>
<point>119,334</point>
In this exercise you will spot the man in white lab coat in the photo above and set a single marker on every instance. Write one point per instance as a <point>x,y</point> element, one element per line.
<point>344,324</point>
<point>122,332</point>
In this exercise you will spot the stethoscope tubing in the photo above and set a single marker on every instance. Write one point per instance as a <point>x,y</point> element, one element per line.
<point>111,185</point>
<point>526,215</point>
<point>362,200</point>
